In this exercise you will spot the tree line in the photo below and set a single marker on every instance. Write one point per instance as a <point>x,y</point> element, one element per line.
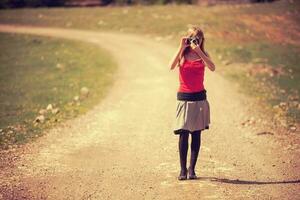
<point>58,3</point>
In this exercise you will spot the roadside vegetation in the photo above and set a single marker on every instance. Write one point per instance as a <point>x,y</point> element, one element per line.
<point>44,81</point>
<point>254,45</point>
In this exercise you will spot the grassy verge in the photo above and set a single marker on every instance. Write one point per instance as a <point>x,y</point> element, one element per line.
<point>261,41</point>
<point>268,71</point>
<point>38,71</point>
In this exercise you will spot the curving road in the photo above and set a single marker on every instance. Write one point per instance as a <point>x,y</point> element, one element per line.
<point>125,148</point>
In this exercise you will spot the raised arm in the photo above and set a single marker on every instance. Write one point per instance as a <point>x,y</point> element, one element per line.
<point>206,59</point>
<point>175,60</point>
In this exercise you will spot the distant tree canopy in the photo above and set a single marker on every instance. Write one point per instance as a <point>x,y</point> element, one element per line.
<point>56,3</point>
<point>30,3</point>
<point>151,1</point>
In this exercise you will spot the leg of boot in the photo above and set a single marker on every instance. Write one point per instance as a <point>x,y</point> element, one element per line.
<point>195,147</point>
<point>183,145</point>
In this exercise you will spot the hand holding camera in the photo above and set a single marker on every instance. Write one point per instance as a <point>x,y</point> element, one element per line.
<point>192,41</point>
<point>183,43</point>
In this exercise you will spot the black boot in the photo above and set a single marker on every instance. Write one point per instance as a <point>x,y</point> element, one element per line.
<point>183,149</point>
<point>195,147</point>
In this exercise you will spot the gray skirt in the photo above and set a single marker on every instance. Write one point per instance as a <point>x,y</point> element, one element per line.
<point>192,116</point>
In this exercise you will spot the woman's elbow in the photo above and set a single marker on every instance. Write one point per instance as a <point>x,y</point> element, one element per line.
<point>212,67</point>
<point>171,67</point>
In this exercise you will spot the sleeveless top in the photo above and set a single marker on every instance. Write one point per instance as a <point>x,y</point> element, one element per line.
<point>191,77</point>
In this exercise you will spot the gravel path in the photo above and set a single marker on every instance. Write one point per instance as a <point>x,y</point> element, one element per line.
<point>125,147</point>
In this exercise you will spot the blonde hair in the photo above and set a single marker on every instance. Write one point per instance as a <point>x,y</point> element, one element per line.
<point>193,31</point>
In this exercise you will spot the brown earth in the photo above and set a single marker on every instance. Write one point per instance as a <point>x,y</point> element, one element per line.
<point>125,148</point>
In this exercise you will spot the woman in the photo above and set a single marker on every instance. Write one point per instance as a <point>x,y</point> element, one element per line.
<point>193,112</point>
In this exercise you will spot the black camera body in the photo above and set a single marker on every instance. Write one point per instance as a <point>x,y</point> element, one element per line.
<point>194,40</point>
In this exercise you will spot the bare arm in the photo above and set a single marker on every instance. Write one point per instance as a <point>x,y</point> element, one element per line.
<point>175,59</point>
<point>207,59</point>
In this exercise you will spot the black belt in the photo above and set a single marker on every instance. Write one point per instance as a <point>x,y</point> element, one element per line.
<point>192,96</point>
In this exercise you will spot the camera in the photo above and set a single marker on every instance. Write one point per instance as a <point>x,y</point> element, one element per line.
<point>194,40</point>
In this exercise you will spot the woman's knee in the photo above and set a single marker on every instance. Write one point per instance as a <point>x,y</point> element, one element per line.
<point>196,133</point>
<point>184,134</point>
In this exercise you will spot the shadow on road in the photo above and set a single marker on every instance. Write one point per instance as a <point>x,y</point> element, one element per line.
<point>237,181</point>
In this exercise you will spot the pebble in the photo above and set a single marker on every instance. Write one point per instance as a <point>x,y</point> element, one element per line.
<point>55,111</point>
<point>293,128</point>
<point>40,119</point>
<point>49,107</point>
<point>76,98</point>
<point>84,92</point>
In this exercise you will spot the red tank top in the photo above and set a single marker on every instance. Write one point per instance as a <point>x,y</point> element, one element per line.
<point>191,76</point>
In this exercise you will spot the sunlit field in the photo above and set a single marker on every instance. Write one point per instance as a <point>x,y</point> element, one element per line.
<point>41,83</point>
<point>89,108</point>
<point>255,45</point>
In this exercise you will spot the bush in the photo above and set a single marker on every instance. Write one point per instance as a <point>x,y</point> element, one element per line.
<point>30,3</point>
<point>150,2</point>
<point>4,3</point>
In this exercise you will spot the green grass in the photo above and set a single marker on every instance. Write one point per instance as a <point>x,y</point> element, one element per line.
<point>156,19</point>
<point>30,79</point>
<point>265,87</point>
<point>268,30</point>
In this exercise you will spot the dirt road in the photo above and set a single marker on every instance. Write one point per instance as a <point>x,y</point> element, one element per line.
<point>125,147</point>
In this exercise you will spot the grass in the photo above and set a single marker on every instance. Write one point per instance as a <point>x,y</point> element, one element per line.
<point>242,34</point>
<point>271,89</point>
<point>37,71</point>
